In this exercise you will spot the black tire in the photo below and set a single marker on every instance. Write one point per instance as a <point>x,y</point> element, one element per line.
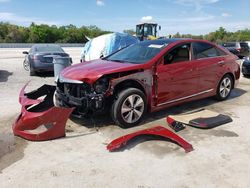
<point>32,73</point>
<point>139,105</point>
<point>224,88</point>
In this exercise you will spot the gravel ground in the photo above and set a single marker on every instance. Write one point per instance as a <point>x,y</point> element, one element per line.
<point>220,159</point>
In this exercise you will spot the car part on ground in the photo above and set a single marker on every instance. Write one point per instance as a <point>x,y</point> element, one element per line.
<point>246,67</point>
<point>39,119</point>
<point>165,72</point>
<point>40,58</point>
<point>204,119</point>
<point>157,131</point>
<point>175,125</point>
<point>105,45</point>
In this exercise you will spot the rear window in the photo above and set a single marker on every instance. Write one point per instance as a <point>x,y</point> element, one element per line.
<point>204,50</point>
<point>48,48</point>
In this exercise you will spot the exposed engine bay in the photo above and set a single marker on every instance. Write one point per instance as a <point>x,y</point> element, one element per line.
<point>91,98</point>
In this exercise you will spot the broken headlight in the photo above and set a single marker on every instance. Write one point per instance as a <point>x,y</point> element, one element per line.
<point>101,85</point>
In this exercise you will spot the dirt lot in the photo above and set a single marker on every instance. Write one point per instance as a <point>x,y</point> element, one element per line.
<point>220,159</point>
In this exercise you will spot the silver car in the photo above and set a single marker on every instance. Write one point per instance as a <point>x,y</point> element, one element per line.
<point>40,58</point>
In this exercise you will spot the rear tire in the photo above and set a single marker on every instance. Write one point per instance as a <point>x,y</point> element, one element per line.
<point>224,88</point>
<point>129,107</point>
<point>32,73</point>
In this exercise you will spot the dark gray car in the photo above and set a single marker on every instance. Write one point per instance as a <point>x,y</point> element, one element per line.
<point>40,58</point>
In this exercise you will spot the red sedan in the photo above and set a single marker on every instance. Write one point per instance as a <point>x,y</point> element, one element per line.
<point>148,76</point>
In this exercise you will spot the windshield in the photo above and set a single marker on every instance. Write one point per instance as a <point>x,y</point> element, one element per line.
<point>138,53</point>
<point>146,29</point>
<point>48,48</point>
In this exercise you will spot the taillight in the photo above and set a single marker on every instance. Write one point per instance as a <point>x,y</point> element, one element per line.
<point>34,57</point>
<point>238,49</point>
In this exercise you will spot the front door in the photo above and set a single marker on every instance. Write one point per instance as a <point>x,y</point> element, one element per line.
<point>177,76</point>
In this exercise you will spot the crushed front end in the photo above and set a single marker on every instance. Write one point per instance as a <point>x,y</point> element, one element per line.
<point>86,98</point>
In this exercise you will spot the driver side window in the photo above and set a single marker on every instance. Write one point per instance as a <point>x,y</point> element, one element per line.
<point>178,54</point>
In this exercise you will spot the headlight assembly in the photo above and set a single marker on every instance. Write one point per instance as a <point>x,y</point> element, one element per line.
<point>101,85</point>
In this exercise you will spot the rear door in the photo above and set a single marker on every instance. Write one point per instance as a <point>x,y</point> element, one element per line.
<point>177,77</point>
<point>210,62</point>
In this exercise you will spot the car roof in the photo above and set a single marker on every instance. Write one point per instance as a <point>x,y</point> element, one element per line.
<point>38,45</point>
<point>171,40</point>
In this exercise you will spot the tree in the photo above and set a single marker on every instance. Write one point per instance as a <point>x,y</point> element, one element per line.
<point>70,33</point>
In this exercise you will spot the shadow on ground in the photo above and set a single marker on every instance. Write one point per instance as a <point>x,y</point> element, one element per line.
<point>4,75</point>
<point>247,76</point>
<point>45,74</point>
<point>105,119</point>
<point>11,147</point>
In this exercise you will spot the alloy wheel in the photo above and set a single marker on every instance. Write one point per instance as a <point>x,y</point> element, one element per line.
<point>225,87</point>
<point>132,108</point>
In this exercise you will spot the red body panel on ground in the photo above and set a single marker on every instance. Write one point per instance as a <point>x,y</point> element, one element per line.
<point>47,116</point>
<point>156,131</point>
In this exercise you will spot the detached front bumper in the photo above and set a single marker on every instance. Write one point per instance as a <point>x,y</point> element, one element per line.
<point>39,119</point>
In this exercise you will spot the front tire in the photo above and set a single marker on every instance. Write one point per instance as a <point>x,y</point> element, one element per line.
<point>129,107</point>
<point>224,88</point>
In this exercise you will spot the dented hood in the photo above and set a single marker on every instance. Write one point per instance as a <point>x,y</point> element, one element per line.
<point>92,70</point>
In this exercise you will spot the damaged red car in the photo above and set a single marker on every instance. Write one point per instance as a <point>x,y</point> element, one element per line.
<point>147,77</point>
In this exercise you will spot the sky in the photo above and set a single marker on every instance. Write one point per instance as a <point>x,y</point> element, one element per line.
<point>184,16</point>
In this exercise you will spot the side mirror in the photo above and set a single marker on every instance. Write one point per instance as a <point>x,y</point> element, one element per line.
<point>25,52</point>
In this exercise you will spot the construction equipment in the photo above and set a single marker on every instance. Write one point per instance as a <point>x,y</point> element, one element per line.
<point>147,31</point>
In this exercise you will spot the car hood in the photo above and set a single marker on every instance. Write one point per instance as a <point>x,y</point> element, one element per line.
<point>92,70</point>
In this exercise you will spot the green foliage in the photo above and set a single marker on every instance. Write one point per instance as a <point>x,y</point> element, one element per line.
<point>43,33</point>
<point>219,36</point>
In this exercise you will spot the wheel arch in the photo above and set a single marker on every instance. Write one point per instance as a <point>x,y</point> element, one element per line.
<point>129,83</point>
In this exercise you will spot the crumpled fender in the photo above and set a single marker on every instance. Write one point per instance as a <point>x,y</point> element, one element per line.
<point>156,131</point>
<point>40,113</point>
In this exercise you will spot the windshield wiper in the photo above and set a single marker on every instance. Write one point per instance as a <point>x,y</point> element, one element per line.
<point>118,60</point>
